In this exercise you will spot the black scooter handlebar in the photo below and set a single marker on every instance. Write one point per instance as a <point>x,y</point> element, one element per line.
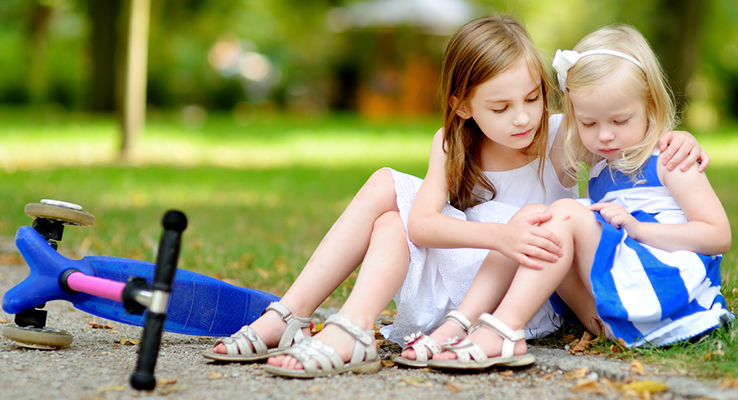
<point>174,223</point>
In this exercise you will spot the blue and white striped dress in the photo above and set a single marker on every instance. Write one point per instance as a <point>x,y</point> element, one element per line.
<point>647,296</point>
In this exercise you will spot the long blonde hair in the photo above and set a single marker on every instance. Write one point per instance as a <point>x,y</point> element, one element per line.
<point>479,51</point>
<point>649,84</point>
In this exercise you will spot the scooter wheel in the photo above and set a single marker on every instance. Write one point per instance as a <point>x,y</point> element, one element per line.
<point>66,213</point>
<point>37,338</point>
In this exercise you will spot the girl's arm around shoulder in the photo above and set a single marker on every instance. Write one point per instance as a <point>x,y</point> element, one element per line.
<point>708,229</point>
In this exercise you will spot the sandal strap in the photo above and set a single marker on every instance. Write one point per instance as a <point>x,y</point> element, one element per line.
<point>319,353</point>
<point>364,347</point>
<point>423,346</point>
<point>293,331</point>
<point>460,319</point>
<point>242,341</point>
<point>509,335</point>
<point>466,351</point>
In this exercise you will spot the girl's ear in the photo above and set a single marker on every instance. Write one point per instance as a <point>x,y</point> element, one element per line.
<point>463,110</point>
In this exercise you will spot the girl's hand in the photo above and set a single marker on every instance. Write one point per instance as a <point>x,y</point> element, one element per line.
<point>681,147</point>
<point>618,217</point>
<point>525,241</point>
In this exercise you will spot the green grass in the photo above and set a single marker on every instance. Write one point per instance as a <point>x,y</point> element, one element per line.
<point>259,197</point>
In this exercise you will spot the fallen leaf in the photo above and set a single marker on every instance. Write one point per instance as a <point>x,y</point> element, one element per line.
<point>729,384</point>
<point>589,385</point>
<point>582,344</point>
<point>314,388</point>
<point>417,382</point>
<point>214,375</point>
<point>129,341</point>
<point>116,388</point>
<point>578,373</point>
<point>387,363</point>
<point>170,389</point>
<point>637,368</point>
<point>4,320</point>
<point>165,382</point>
<point>454,388</point>
<point>507,372</point>
<point>98,325</point>
<point>646,386</point>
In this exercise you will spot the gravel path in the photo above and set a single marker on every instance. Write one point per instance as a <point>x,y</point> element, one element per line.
<point>98,366</point>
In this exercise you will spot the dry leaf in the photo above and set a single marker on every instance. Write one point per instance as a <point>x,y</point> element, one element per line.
<point>165,382</point>
<point>582,344</point>
<point>729,384</point>
<point>578,373</point>
<point>170,389</point>
<point>646,386</point>
<point>98,325</point>
<point>129,341</point>
<point>314,388</point>
<point>454,388</point>
<point>637,368</point>
<point>116,388</point>
<point>507,372</point>
<point>214,375</point>
<point>589,385</point>
<point>417,382</point>
<point>387,363</point>
<point>4,320</point>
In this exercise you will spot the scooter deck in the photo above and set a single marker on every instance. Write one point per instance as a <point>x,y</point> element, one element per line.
<point>199,305</point>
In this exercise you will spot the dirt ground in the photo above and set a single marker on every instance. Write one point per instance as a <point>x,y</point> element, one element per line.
<point>100,360</point>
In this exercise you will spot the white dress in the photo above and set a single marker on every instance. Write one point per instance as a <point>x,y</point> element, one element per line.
<point>438,279</point>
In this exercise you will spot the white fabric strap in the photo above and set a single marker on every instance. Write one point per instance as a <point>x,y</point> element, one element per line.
<point>510,336</point>
<point>565,59</point>
<point>460,319</point>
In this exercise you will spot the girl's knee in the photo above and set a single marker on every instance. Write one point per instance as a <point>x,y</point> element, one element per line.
<point>388,221</point>
<point>379,187</point>
<point>569,208</point>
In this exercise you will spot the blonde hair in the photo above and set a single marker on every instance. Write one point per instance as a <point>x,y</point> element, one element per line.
<point>648,83</point>
<point>477,52</point>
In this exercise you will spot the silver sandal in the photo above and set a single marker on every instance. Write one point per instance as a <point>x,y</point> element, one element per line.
<point>425,347</point>
<point>319,359</point>
<point>471,356</point>
<point>247,346</point>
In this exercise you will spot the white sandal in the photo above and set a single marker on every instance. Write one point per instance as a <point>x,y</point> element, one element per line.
<point>425,347</point>
<point>319,359</point>
<point>471,356</point>
<point>247,346</point>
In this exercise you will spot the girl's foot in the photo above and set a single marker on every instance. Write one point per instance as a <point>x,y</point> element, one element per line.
<point>340,340</point>
<point>448,330</point>
<point>276,330</point>
<point>489,341</point>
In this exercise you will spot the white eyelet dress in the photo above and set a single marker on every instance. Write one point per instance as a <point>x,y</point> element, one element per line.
<point>438,279</point>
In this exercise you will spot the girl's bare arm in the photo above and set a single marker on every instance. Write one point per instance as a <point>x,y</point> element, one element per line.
<point>428,227</point>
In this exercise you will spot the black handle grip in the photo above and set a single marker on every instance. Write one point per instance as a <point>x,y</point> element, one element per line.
<point>174,223</point>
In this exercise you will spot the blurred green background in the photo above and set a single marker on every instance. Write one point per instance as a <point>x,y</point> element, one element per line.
<point>264,117</point>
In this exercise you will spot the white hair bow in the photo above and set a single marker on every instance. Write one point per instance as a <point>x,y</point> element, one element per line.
<point>563,60</point>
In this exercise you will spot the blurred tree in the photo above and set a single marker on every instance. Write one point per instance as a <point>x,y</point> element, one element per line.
<point>104,48</point>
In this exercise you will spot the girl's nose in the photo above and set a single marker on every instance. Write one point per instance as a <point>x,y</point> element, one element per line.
<point>605,135</point>
<point>521,119</point>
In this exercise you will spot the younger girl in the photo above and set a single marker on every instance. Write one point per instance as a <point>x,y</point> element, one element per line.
<point>646,262</point>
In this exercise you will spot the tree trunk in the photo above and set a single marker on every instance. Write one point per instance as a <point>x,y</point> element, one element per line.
<point>104,17</point>
<point>676,41</point>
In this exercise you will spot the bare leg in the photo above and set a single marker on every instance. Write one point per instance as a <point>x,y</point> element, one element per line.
<point>580,232</point>
<point>578,297</point>
<point>382,273</point>
<point>338,254</point>
<point>486,291</point>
